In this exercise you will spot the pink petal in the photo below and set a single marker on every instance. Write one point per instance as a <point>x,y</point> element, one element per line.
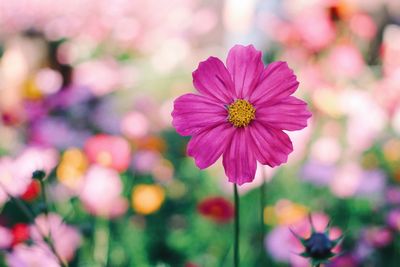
<point>209,143</point>
<point>239,160</point>
<point>212,79</point>
<point>271,146</point>
<point>245,66</point>
<point>276,82</point>
<point>288,114</point>
<point>194,112</point>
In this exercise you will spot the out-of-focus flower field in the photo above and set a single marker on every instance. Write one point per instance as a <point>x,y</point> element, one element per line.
<point>86,94</point>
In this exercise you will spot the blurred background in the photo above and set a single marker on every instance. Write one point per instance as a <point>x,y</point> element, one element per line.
<point>86,92</point>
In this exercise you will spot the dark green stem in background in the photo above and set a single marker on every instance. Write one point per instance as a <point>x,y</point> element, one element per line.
<point>236,231</point>
<point>44,197</point>
<point>262,203</point>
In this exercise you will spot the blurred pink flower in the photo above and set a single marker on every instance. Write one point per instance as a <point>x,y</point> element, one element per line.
<point>134,125</point>
<point>391,50</point>
<point>346,180</point>
<point>23,255</point>
<point>11,182</point>
<point>66,238</point>
<point>363,25</point>
<point>373,184</point>
<point>393,219</point>
<point>35,158</point>
<point>343,261</point>
<point>101,192</point>
<point>393,195</point>
<point>241,108</point>
<point>387,93</point>
<point>366,119</point>
<point>283,246</point>
<point>315,28</point>
<point>6,238</point>
<point>100,76</point>
<point>109,151</point>
<point>378,236</point>
<point>347,60</point>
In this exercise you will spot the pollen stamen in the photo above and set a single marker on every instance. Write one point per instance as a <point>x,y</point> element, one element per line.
<point>241,113</point>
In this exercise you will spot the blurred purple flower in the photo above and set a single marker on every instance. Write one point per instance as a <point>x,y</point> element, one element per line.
<point>393,195</point>
<point>393,219</point>
<point>56,133</point>
<point>373,183</point>
<point>69,96</point>
<point>105,116</point>
<point>317,173</point>
<point>145,160</point>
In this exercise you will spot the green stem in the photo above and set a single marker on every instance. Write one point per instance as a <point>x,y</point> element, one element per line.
<point>101,242</point>
<point>237,229</point>
<point>262,203</point>
<point>44,197</point>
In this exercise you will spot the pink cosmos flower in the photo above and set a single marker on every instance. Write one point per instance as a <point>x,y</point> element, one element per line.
<point>240,113</point>
<point>23,255</point>
<point>66,238</point>
<point>101,192</point>
<point>11,182</point>
<point>6,238</point>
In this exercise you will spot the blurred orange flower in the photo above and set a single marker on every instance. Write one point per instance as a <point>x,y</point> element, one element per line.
<point>72,167</point>
<point>147,199</point>
<point>285,212</point>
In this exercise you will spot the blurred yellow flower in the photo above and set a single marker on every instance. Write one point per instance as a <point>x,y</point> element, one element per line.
<point>72,167</point>
<point>147,199</point>
<point>31,91</point>
<point>284,212</point>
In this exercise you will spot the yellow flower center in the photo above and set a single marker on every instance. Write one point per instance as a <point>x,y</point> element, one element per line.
<point>241,113</point>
